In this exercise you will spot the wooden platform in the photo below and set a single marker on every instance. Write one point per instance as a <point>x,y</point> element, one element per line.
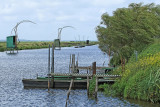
<point>62,80</point>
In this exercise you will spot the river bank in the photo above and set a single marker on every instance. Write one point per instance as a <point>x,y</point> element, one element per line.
<point>140,80</point>
<point>44,44</point>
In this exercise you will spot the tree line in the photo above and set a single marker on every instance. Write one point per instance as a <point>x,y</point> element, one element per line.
<point>127,30</point>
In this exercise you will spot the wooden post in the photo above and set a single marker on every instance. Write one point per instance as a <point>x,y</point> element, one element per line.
<point>48,68</point>
<point>109,56</point>
<point>70,64</point>
<point>94,67</point>
<point>52,67</point>
<point>73,63</point>
<point>122,63</point>
<point>96,88</point>
<point>76,67</point>
<point>88,85</point>
<point>68,93</point>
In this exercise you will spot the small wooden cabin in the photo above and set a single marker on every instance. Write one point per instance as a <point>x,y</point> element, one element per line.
<point>12,42</point>
<point>87,42</point>
<point>57,44</point>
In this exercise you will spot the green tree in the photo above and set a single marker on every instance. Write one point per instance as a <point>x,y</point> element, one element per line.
<point>128,29</point>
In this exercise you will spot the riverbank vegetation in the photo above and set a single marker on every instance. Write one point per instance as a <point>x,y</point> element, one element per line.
<point>140,80</point>
<point>132,37</point>
<point>43,44</point>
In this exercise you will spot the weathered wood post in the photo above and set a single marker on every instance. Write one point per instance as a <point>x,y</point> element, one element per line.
<point>94,67</point>
<point>48,67</point>
<point>88,85</point>
<point>70,64</point>
<point>73,63</point>
<point>76,71</point>
<point>68,93</point>
<point>96,88</point>
<point>52,67</point>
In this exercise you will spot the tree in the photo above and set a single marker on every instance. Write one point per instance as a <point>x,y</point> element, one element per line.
<point>128,29</point>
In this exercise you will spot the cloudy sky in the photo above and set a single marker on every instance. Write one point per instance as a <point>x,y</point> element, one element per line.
<point>49,15</point>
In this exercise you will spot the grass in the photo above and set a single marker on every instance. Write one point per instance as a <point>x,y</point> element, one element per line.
<point>43,44</point>
<point>141,79</point>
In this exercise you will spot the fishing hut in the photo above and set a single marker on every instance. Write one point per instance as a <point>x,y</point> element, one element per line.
<point>11,44</point>
<point>57,44</point>
<point>87,42</point>
<point>12,40</point>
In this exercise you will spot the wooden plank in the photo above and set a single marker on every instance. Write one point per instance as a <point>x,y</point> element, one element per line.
<point>81,67</point>
<point>84,75</point>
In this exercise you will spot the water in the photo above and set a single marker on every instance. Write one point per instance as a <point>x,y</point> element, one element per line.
<point>28,63</point>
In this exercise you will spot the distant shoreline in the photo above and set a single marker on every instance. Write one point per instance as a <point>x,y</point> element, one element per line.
<point>44,44</point>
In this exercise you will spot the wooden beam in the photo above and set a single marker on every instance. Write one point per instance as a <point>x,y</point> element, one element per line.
<point>68,93</point>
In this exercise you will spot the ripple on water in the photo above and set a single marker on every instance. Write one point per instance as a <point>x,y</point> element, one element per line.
<point>29,63</point>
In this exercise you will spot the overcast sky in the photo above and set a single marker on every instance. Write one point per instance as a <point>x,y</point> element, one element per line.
<point>50,15</point>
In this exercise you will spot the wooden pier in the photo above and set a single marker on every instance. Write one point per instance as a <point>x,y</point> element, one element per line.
<point>63,80</point>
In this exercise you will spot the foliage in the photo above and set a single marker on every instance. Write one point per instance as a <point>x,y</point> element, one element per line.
<point>92,85</point>
<point>141,78</point>
<point>129,29</point>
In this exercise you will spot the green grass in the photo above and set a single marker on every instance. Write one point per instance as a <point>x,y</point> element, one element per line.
<point>141,79</point>
<point>39,45</point>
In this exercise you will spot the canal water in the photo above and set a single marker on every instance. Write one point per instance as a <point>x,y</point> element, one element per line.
<point>28,63</point>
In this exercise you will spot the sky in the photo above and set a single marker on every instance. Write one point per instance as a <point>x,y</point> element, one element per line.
<point>49,15</point>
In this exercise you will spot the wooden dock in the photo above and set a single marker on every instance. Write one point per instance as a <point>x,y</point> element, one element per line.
<point>62,80</point>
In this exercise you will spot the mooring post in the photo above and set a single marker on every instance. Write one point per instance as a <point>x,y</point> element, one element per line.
<point>88,85</point>
<point>52,68</point>
<point>73,63</point>
<point>77,71</point>
<point>70,64</point>
<point>96,88</point>
<point>48,67</point>
<point>94,67</point>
